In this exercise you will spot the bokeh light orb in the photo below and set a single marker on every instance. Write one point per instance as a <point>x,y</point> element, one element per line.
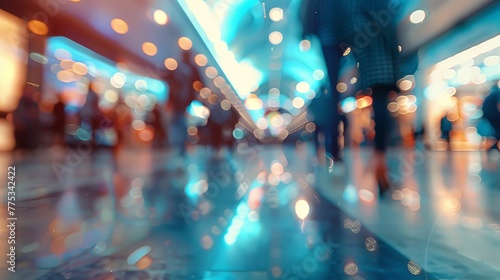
<point>275,37</point>
<point>417,17</point>
<point>38,27</point>
<point>119,26</point>
<point>185,43</point>
<point>276,14</point>
<point>160,17</point>
<point>149,48</point>
<point>304,45</point>
<point>171,64</point>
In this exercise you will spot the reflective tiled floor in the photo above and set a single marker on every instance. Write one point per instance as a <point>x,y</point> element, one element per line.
<point>256,213</point>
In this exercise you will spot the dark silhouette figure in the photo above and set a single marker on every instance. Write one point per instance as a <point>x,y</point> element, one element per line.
<point>181,95</point>
<point>122,118</point>
<point>491,112</point>
<point>91,117</point>
<point>321,113</point>
<point>316,16</point>
<point>220,125</point>
<point>156,121</point>
<point>446,127</point>
<point>59,122</point>
<point>26,121</point>
<point>368,29</point>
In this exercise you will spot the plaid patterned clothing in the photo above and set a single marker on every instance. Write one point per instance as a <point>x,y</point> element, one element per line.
<point>364,25</point>
<point>372,38</point>
<point>376,64</point>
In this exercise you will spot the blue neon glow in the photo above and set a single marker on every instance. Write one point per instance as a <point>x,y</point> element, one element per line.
<point>350,195</point>
<point>98,65</point>
<point>348,105</point>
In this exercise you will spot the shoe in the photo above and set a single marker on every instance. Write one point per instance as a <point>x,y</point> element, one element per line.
<point>494,148</point>
<point>383,181</point>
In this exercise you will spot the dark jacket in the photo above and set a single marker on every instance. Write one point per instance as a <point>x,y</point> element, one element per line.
<point>368,27</point>
<point>491,106</point>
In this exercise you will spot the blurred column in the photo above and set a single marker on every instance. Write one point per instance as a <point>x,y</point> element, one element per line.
<point>38,31</point>
<point>36,60</point>
<point>13,54</point>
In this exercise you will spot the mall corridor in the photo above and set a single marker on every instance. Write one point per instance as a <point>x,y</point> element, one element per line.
<point>249,140</point>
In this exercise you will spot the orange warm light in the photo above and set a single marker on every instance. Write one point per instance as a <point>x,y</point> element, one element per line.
<point>79,68</point>
<point>197,85</point>
<point>13,79</point>
<point>171,64</point>
<point>119,26</point>
<point>185,43</point>
<point>7,142</point>
<point>66,76</point>
<point>149,48</point>
<point>200,60</point>
<point>144,262</point>
<point>38,27</point>
<point>364,102</point>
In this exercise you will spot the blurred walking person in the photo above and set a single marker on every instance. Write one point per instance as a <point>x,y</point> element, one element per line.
<point>491,112</point>
<point>91,117</point>
<point>182,94</point>
<point>316,17</point>
<point>59,122</point>
<point>122,120</point>
<point>321,113</point>
<point>26,120</point>
<point>155,120</point>
<point>446,127</point>
<point>366,28</point>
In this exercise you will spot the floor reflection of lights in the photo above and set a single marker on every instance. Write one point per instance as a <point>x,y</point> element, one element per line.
<point>262,210</point>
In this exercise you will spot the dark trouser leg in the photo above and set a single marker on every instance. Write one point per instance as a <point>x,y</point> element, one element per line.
<point>496,127</point>
<point>382,116</point>
<point>217,136</point>
<point>316,138</point>
<point>332,147</point>
<point>497,131</point>
<point>333,54</point>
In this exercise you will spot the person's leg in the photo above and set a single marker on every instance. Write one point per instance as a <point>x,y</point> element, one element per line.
<point>382,117</point>
<point>347,137</point>
<point>496,127</point>
<point>382,120</point>
<point>217,136</point>
<point>316,138</point>
<point>179,133</point>
<point>332,55</point>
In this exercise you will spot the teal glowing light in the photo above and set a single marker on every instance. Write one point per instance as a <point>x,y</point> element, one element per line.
<point>348,105</point>
<point>197,109</point>
<point>242,210</point>
<point>238,134</point>
<point>99,66</point>
<point>138,254</point>
<point>229,239</point>
<point>350,195</point>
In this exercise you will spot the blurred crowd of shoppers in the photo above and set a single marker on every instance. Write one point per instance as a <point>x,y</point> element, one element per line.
<point>113,127</point>
<point>491,113</point>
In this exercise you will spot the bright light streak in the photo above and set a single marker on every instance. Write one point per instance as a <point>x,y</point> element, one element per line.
<point>470,53</point>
